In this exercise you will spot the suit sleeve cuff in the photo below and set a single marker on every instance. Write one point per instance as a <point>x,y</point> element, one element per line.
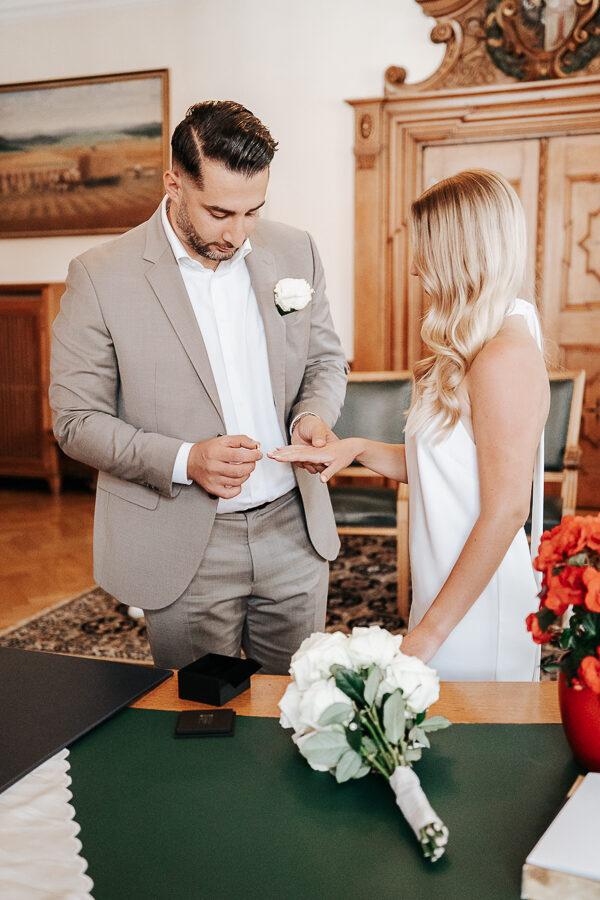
<point>180,468</point>
<point>299,416</point>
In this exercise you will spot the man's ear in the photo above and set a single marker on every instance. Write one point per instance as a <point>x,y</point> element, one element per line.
<point>172,183</point>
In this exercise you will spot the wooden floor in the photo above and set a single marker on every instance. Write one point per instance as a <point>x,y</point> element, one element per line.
<point>45,547</point>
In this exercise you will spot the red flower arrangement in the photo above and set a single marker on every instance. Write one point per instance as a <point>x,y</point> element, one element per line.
<point>569,557</point>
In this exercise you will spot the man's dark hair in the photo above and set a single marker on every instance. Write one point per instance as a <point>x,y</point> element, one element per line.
<point>225,132</point>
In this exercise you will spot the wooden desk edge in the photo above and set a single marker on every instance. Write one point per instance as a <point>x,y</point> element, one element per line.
<point>461,702</point>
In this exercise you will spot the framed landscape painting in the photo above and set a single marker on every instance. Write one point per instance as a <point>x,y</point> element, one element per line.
<point>82,155</point>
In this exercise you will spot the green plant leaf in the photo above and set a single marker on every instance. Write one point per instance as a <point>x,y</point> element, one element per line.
<point>417,734</point>
<point>354,738</point>
<point>435,723</point>
<point>336,714</point>
<point>348,767</point>
<point>394,717</point>
<point>371,684</point>
<point>324,748</point>
<point>364,770</point>
<point>369,747</point>
<point>349,682</point>
<point>412,754</point>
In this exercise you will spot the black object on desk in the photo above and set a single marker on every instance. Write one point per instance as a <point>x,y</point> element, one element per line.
<point>48,700</point>
<point>215,679</point>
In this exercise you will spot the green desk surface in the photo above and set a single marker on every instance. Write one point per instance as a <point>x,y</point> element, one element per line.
<point>245,817</point>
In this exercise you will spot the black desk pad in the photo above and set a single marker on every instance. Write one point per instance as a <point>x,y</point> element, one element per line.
<point>48,700</point>
<point>247,819</point>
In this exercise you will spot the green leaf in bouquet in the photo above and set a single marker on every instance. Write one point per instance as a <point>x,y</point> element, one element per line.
<point>371,684</point>
<point>354,736</point>
<point>417,734</point>
<point>324,748</point>
<point>394,717</point>
<point>348,767</point>
<point>336,714</point>
<point>420,717</point>
<point>369,747</point>
<point>412,754</point>
<point>349,682</point>
<point>434,723</point>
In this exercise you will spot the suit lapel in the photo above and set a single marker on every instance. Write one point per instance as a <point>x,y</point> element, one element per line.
<point>166,282</point>
<point>263,275</point>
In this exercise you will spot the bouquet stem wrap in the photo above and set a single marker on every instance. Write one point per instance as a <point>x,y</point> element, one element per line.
<point>429,829</point>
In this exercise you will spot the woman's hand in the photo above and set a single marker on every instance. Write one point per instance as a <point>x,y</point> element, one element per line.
<point>422,642</point>
<point>334,456</point>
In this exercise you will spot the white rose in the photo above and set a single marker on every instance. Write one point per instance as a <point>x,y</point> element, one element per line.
<point>313,659</point>
<point>290,708</point>
<point>420,683</point>
<point>372,645</point>
<point>319,697</point>
<point>292,293</point>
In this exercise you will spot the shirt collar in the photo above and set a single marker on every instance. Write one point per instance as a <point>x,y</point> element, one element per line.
<point>181,253</point>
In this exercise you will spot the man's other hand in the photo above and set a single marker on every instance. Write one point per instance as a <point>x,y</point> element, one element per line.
<point>313,432</point>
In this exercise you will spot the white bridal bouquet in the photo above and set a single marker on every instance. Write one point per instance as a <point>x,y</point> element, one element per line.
<point>358,704</point>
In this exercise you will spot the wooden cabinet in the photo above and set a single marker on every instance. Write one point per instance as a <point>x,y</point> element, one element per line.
<point>27,445</point>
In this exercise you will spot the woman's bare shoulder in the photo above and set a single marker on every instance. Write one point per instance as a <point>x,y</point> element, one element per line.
<point>509,363</point>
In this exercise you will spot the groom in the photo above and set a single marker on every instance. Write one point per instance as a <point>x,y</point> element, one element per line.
<point>183,350</point>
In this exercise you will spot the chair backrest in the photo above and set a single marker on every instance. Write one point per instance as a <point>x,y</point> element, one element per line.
<point>375,406</point>
<point>564,418</point>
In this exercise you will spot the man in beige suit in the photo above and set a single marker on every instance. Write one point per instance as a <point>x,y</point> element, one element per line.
<point>183,349</point>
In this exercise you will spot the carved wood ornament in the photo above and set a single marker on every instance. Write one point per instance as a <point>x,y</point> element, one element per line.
<point>502,41</point>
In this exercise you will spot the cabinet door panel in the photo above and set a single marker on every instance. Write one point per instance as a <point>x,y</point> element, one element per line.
<point>571,283</point>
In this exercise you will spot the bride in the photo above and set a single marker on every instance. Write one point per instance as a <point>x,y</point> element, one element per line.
<point>473,436</point>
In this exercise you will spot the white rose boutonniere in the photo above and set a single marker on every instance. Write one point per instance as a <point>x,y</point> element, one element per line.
<point>292,294</point>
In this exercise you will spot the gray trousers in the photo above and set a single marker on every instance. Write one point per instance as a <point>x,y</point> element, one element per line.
<point>260,587</point>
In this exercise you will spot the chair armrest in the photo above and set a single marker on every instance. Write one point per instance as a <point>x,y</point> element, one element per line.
<point>572,457</point>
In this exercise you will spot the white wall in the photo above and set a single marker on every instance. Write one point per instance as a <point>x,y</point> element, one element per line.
<point>292,63</point>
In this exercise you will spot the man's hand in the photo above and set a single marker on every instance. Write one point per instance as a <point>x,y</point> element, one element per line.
<point>222,464</point>
<point>311,431</point>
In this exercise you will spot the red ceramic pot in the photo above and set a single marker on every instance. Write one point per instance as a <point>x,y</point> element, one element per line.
<point>580,714</point>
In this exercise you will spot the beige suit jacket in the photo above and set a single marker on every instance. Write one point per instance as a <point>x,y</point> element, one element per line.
<point>131,380</point>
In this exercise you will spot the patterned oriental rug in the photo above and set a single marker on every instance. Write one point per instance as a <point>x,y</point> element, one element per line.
<point>362,591</point>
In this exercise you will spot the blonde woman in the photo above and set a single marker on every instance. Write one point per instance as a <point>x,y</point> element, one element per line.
<point>473,436</point>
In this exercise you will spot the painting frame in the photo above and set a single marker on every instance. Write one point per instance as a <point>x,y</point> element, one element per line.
<point>82,155</point>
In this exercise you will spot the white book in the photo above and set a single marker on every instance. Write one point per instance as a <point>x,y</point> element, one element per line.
<point>565,862</point>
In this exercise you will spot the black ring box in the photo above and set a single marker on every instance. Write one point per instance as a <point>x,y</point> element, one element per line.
<point>215,679</point>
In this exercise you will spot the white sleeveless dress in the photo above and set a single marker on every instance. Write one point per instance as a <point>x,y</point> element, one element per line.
<point>491,642</point>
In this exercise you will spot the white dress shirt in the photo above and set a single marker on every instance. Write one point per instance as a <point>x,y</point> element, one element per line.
<point>229,319</point>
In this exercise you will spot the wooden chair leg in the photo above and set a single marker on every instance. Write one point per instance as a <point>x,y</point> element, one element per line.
<point>402,556</point>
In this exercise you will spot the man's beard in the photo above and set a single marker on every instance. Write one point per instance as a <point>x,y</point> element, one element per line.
<point>192,238</point>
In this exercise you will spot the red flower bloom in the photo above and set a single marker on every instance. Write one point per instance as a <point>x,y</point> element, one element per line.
<point>564,590</point>
<point>539,636</point>
<point>564,540</point>
<point>591,579</point>
<point>593,539</point>
<point>589,673</point>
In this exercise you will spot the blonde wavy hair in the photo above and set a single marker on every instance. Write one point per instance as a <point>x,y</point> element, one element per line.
<point>469,248</point>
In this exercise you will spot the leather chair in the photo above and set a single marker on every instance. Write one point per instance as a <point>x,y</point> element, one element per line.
<point>375,407</point>
<point>562,453</point>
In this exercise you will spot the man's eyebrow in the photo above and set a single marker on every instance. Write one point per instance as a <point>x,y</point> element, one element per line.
<point>230,212</point>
